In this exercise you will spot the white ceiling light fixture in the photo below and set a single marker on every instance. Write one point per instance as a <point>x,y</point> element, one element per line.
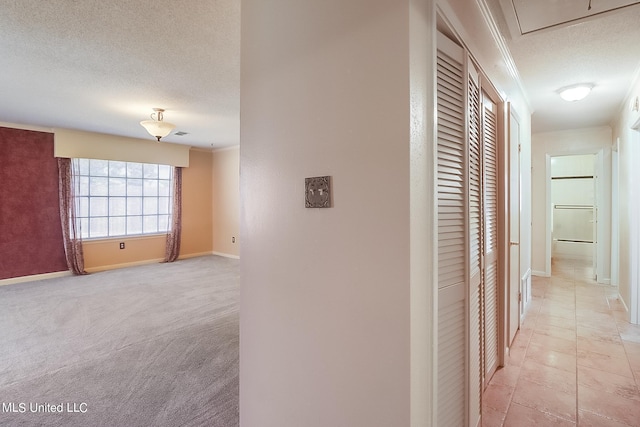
<point>575,92</point>
<point>156,126</point>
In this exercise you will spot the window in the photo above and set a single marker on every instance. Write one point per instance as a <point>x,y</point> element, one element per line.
<point>122,198</point>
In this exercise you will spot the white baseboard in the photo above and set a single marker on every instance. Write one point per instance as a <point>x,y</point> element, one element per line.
<point>34,277</point>
<point>604,281</point>
<point>623,302</point>
<point>150,261</point>
<point>525,286</point>
<point>123,265</point>
<point>187,256</point>
<point>226,255</point>
<point>540,273</point>
<point>222,254</point>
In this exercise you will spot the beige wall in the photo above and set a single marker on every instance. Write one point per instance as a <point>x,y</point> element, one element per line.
<point>197,225</point>
<point>91,145</point>
<point>197,218</point>
<point>105,254</point>
<point>226,201</point>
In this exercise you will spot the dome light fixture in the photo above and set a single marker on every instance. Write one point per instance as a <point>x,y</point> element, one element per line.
<point>575,92</point>
<point>156,126</point>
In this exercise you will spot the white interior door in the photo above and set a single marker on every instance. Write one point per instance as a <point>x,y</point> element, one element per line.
<point>490,276</point>
<point>452,235</point>
<point>470,308</point>
<point>516,307</point>
<point>475,242</point>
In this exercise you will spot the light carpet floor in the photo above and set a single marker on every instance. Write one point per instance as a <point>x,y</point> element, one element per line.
<point>155,345</point>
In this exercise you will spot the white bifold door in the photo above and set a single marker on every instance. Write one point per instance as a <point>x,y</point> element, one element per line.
<point>468,269</point>
<point>490,288</point>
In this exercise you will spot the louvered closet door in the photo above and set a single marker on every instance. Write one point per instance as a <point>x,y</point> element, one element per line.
<point>491,294</point>
<point>475,241</point>
<point>452,342</point>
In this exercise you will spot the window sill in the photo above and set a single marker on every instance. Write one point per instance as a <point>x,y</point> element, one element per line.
<point>100,240</point>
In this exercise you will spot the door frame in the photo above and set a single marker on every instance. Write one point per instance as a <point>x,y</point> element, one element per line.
<point>512,117</point>
<point>615,214</point>
<point>634,230</point>
<point>599,171</point>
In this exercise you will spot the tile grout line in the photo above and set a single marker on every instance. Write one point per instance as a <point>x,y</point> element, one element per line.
<point>635,376</point>
<point>526,349</point>
<point>589,295</point>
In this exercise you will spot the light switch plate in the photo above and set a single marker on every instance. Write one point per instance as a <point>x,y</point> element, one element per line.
<point>317,192</point>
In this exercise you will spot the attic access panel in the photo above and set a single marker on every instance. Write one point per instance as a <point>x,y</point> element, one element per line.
<point>538,15</point>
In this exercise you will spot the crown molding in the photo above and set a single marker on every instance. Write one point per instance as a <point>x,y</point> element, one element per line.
<point>26,127</point>
<point>504,49</point>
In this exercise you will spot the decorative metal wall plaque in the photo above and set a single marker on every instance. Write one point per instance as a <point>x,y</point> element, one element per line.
<point>317,192</point>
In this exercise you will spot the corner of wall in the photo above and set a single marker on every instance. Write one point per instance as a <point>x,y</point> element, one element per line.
<point>225,193</point>
<point>197,204</point>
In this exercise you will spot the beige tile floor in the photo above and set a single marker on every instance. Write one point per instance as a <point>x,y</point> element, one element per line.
<point>574,362</point>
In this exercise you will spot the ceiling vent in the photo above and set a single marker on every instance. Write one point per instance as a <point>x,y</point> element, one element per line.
<point>181,133</point>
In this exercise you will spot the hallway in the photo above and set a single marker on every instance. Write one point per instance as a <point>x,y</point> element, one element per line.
<point>575,361</point>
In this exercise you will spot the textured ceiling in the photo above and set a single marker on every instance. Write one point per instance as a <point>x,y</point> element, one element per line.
<point>103,65</point>
<point>542,14</point>
<point>602,50</point>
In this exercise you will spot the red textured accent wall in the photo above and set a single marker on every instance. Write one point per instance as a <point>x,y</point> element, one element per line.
<point>30,230</point>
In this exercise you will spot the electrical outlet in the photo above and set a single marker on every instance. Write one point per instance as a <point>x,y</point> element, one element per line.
<point>121,245</point>
<point>233,239</point>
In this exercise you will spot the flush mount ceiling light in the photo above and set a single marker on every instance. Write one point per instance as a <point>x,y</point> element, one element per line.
<point>156,127</point>
<point>575,92</point>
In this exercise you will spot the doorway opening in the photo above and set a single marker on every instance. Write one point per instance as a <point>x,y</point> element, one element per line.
<point>574,211</point>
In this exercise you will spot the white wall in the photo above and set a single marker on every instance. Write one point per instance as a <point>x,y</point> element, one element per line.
<point>578,141</point>
<point>336,304</point>
<point>572,166</point>
<point>629,205</point>
<point>325,307</point>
